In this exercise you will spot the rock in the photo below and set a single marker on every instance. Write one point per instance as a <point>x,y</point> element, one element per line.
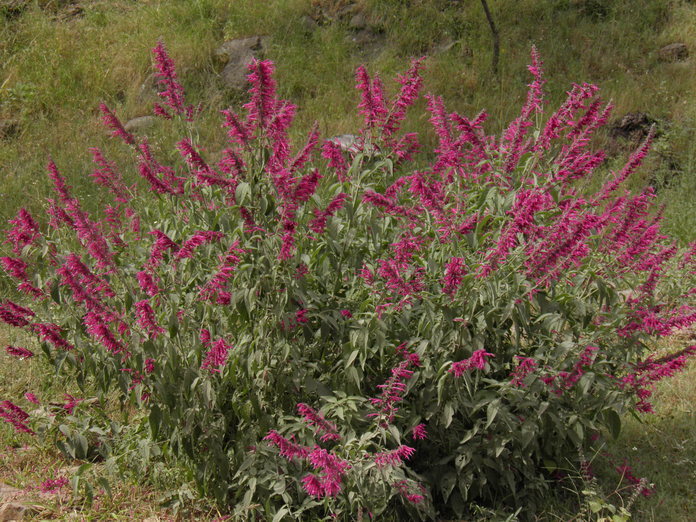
<point>443,46</point>
<point>7,492</point>
<point>369,43</point>
<point>675,52</point>
<point>13,8</point>
<point>308,24</point>
<point>349,143</point>
<point>634,125</point>
<point>237,54</point>
<point>15,511</point>
<point>346,142</point>
<point>140,123</point>
<point>358,22</point>
<point>148,89</point>
<point>9,129</point>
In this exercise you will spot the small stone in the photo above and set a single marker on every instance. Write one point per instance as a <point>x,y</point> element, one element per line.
<point>9,129</point>
<point>7,492</point>
<point>139,124</point>
<point>634,125</point>
<point>358,21</point>
<point>237,54</point>
<point>308,24</point>
<point>15,511</point>
<point>675,52</point>
<point>369,43</point>
<point>443,46</point>
<point>148,89</point>
<point>346,142</point>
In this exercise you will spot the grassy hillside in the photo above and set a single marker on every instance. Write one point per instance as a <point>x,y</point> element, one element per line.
<point>59,59</point>
<point>57,62</point>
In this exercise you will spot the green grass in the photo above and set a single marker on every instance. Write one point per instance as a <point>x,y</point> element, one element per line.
<point>660,447</point>
<point>54,71</point>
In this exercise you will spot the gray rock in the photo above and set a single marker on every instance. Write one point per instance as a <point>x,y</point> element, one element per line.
<point>369,43</point>
<point>9,129</point>
<point>237,54</point>
<point>358,21</point>
<point>15,511</point>
<point>148,89</point>
<point>352,144</point>
<point>634,125</point>
<point>308,24</point>
<point>8,491</point>
<point>140,123</point>
<point>675,52</point>
<point>443,46</point>
<point>347,142</point>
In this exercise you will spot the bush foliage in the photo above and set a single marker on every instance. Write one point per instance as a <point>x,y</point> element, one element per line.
<point>319,330</point>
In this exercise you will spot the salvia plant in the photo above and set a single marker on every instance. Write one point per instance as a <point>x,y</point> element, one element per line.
<point>318,332</point>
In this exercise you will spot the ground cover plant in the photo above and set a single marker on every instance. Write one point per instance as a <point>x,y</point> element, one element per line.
<point>320,332</point>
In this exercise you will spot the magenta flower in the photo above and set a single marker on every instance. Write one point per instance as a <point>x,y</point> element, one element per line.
<point>476,361</point>
<point>160,246</point>
<point>332,151</point>
<point>25,231</point>
<point>525,366</point>
<point>318,224</point>
<point>393,457</point>
<point>21,353</point>
<point>262,106</point>
<point>453,275</point>
<point>315,419</point>
<point>16,416</point>
<point>199,238</point>
<point>392,393</point>
<point>216,356</point>
<point>53,485</point>
<point>288,449</point>
<point>106,175</point>
<point>419,432</point>
<point>113,123</point>
<point>147,283</point>
<point>51,333</point>
<point>372,105</point>
<point>71,403</point>
<point>146,318</point>
<point>173,92</point>
<point>149,365</point>
<point>32,398</point>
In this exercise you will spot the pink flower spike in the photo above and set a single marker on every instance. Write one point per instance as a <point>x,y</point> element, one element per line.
<point>477,361</point>
<point>419,432</point>
<point>146,319</point>
<point>315,419</point>
<point>53,485</point>
<point>113,123</point>
<point>173,92</point>
<point>31,398</point>
<point>216,356</point>
<point>16,416</point>
<point>21,353</point>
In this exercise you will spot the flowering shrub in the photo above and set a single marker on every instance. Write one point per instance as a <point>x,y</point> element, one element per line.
<point>319,332</point>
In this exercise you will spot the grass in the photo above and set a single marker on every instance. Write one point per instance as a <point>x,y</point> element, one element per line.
<point>660,447</point>
<point>55,69</point>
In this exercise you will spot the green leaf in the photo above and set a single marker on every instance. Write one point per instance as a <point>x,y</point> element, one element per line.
<point>243,193</point>
<point>613,422</point>
<point>447,483</point>
<point>447,414</point>
<point>280,514</point>
<point>492,411</point>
